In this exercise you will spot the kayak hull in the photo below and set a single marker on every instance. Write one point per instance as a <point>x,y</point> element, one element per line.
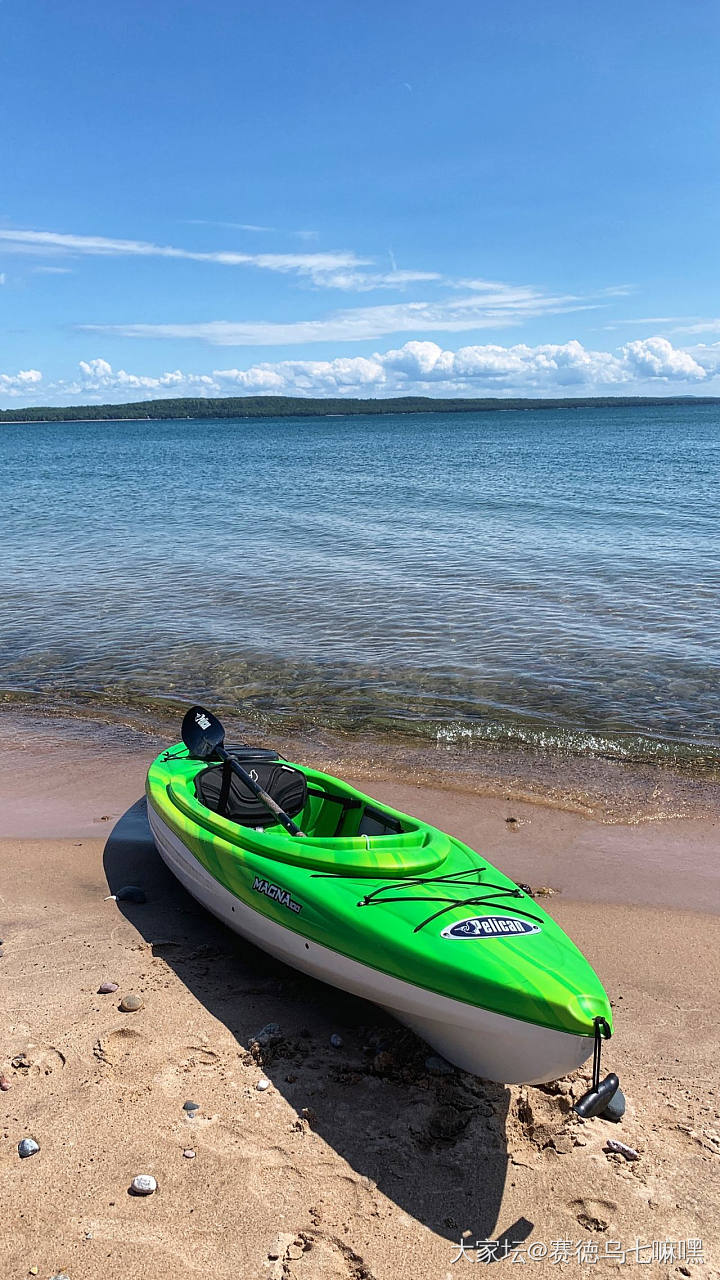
<point>481,1041</point>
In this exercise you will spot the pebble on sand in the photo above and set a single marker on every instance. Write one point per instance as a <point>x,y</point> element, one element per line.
<point>336,1041</point>
<point>143,1185</point>
<point>28,1147</point>
<point>191,1106</point>
<point>130,1004</point>
<point>107,988</point>
<point>5,1084</point>
<point>620,1149</point>
<point>189,1154</point>
<point>262,1084</point>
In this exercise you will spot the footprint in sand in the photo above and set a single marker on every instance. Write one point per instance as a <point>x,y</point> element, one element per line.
<point>314,1256</point>
<point>594,1215</point>
<point>42,1063</point>
<point>116,1047</point>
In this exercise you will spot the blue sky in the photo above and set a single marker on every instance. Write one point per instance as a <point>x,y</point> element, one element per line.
<point>358,199</point>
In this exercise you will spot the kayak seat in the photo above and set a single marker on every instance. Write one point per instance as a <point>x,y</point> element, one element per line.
<point>222,791</point>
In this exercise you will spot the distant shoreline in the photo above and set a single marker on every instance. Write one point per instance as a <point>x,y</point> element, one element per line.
<point>289,406</point>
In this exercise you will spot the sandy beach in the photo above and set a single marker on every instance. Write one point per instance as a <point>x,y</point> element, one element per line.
<point>357,1163</point>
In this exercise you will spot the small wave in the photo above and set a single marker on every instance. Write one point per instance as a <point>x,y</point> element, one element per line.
<point>634,748</point>
<point>270,715</point>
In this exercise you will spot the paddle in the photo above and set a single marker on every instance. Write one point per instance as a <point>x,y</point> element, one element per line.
<point>204,736</point>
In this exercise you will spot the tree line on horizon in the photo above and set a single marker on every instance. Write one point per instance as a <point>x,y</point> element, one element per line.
<point>296,406</point>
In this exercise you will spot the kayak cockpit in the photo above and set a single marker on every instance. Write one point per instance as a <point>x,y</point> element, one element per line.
<point>325,810</point>
<point>345,832</point>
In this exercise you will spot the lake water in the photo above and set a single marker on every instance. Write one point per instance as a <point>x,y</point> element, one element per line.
<point>548,577</point>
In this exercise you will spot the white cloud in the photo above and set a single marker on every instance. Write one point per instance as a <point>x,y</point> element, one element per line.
<point>19,384</point>
<point>354,375</point>
<point>232,226</point>
<point>503,306</point>
<point>533,368</point>
<point>702,326</point>
<point>342,270</point>
<point>365,281</point>
<point>708,357</point>
<point>416,368</point>
<point>657,358</point>
<point>250,226</point>
<point>98,375</point>
<point>319,267</point>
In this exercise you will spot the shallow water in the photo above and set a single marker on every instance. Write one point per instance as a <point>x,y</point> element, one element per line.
<point>547,577</point>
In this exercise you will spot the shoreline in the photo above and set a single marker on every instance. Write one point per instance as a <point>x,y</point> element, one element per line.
<point>295,407</point>
<point>612,791</point>
<point>74,788</point>
<point>345,1166</point>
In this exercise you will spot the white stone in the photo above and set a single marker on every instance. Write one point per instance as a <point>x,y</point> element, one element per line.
<point>143,1185</point>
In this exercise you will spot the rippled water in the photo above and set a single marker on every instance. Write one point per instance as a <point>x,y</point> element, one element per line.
<point>533,576</point>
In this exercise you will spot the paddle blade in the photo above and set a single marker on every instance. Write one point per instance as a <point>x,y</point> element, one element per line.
<point>202,733</point>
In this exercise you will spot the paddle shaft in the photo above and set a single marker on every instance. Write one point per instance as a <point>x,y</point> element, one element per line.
<point>261,794</point>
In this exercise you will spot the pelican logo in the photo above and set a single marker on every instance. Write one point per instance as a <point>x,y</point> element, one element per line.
<point>490,927</point>
<point>202,720</point>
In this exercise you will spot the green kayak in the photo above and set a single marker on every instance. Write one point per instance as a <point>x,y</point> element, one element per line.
<point>378,903</point>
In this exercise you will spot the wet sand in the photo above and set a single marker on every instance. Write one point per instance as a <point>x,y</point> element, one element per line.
<point>356,1162</point>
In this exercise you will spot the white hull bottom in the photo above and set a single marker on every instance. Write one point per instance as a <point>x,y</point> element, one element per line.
<point>487,1044</point>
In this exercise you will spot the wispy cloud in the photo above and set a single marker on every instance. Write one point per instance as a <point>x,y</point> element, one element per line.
<point>673,324</point>
<point>250,226</point>
<point>423,368</point>
<point>320,267</point>
<point>232,226</point>
<point>492,308</point>
<point>342,270</point>
<point>700,326</point>
<point>650,321</point>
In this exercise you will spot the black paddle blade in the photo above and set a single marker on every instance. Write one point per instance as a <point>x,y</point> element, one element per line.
<point>202,733</point>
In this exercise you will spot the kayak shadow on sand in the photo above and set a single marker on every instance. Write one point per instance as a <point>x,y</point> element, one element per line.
<point>435,1144</point>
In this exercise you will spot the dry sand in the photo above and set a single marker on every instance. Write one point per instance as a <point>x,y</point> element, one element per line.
<point>355,1164</point>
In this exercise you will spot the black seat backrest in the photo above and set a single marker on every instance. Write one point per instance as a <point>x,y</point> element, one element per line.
<point>287,787</point>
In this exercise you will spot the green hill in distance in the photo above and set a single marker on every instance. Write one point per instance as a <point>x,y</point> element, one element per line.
<point>299,407</point>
